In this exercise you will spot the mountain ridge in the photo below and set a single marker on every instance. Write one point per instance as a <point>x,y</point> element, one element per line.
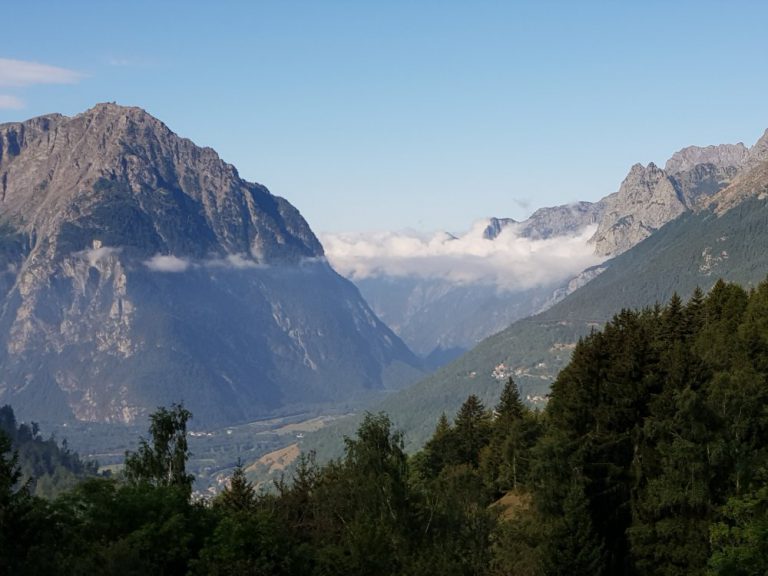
<point>137,269</point>
<point>727,238</point>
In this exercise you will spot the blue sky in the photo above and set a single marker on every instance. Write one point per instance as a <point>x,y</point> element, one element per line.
<point>393,114</point>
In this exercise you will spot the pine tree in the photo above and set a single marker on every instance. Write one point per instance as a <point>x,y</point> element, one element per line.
<point>510,406</point>
<point>505,462</point>
<point>472,430</point>
<point>239,495</point>
<point>439,451</point>
<point>574,548</point>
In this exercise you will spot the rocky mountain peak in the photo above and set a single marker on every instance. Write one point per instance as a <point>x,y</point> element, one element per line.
<point>721,156</point>
<point>646,200</point>
<point>649,196</point>
<point>495,226</point>
<point>138,269</point>
<point>759,151</point>
<point>80,172</point>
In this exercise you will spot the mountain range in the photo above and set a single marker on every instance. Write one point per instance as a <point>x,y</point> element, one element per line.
<point>440,318</point>
<point>138,269</point>
<point>719,230</point>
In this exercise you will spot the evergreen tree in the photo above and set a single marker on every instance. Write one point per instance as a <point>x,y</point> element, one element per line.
<point>510,406</point>
<point>506,460</point>
<point>239,495</point>
<point>14,500</point>
<point>438,452</point>
<point>472,431</point>
<point>574,548</point>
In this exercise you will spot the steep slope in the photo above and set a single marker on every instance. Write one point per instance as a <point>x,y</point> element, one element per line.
<point>138,269</point>
<point>649,197</point>
<point>439,318</point>
<point>693,250</point>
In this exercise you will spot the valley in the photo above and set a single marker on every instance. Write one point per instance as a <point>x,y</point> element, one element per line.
<point>384,289</point>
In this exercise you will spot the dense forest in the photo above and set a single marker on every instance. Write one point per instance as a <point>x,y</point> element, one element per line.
<point>46,467</point>
<point>650,458</point>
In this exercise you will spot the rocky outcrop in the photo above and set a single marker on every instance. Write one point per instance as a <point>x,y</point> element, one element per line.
<point>495,226</point>
<point>549,222</point>
<point>138,269</point>
<point>721,156</point>
<point>698,184</point>
<point>650,197</point>
<point>759,152</point>
<point>561,220</point>
<point>646,200</point>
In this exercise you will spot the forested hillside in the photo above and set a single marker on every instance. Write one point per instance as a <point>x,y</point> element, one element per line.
<point>48,467</point>
<point>651,457</point>
<point>694,250</point>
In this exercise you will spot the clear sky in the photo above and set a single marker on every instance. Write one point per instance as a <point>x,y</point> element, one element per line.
<point>398,114</point>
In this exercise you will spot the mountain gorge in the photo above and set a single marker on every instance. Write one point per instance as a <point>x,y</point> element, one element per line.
<point>139,269</point>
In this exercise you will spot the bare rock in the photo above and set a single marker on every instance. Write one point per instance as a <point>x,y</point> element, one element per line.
<point>721,156</point>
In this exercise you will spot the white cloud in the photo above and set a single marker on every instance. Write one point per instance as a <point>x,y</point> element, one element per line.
<point>20,73</point>
<point>8,102</point>
<point>510,262</point>
<point>165,263</point>
<point>169,263</point>
<point>95,255</point>
<point>236,261</point>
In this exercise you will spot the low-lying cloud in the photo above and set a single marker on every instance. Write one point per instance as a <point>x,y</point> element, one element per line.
<point>171,263</point>
<point>510,262</point>
<point>165,263</point>
<point>233,261</point>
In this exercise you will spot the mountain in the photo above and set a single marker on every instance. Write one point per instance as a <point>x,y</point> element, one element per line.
<point>724,235</point>
<point>649,196</point>
<point>694,250</point>
<point>138,269</point>
<point>439,317</point>
<point>550,222</point>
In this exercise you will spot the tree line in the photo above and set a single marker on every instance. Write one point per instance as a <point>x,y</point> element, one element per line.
<point>651,457</point>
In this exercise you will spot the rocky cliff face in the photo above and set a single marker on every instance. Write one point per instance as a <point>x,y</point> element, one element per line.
<point>562,220</point>
<point>650,197</point>
<point>646,200</point>
<point>137,269</point>
<point>750,181</point>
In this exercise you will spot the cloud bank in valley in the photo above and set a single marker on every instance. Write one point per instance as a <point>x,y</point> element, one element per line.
<point>510,262</point>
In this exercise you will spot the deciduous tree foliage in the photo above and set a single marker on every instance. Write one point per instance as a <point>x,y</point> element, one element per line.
<point>162,460</point>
